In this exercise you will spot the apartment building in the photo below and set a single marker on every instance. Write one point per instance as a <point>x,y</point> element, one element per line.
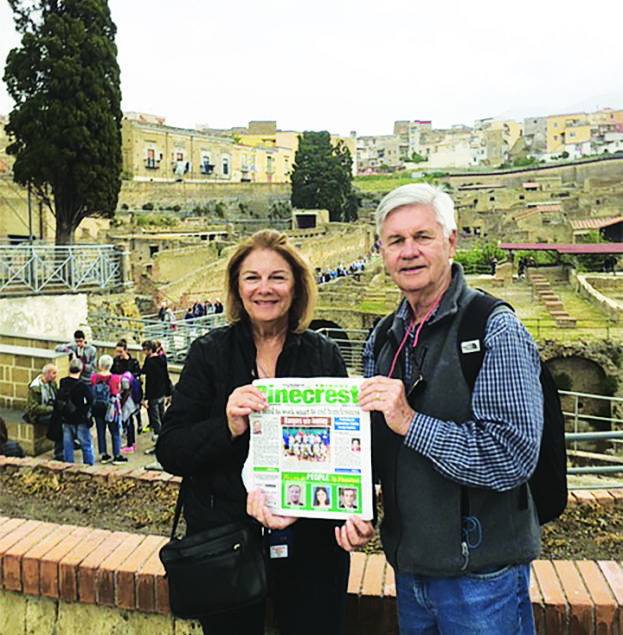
<point>156,152</point>
<point>374,152</point>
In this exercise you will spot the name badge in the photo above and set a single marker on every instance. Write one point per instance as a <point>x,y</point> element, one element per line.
<point>279,551</point>
<point>472,346</point>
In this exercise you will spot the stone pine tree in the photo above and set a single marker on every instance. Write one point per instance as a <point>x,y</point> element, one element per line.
<point>322,177</point>
<point>65,128</point>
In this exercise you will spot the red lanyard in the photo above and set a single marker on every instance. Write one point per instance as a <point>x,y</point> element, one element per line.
<point>417,334</point>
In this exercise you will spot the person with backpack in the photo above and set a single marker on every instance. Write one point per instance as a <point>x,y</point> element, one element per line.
<point>105,389</point>
<point>73,407</point>
<point>460,526</point>
<point>124,362</point>
<point>130,394</point>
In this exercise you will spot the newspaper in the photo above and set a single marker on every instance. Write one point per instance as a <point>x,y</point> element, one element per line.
<point>310,450</point>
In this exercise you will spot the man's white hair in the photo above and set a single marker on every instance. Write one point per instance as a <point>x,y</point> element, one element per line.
<point>418,194</point>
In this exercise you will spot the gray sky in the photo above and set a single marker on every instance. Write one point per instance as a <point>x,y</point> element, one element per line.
<point>347,65</point>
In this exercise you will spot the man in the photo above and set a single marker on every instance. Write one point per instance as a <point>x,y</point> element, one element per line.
<point>40,404</point>
<point>348,498</point>
<point>157,387</point>
<point>294,496</point>
<point>83,351</point>
<point>76,399</point>
<point>460,528</point>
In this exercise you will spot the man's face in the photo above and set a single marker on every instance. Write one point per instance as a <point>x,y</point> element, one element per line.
<point>415,252</point>
<point>80,341</point>
<point>49,376</point>
<point>348,498</point>
<point>295,495</point>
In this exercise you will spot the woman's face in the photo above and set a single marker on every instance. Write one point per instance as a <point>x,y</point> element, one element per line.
<point>266,286</point>
<point>321,497</point>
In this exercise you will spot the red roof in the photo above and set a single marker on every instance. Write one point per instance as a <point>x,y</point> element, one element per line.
<point>579,248</point>
<point>595,223</point>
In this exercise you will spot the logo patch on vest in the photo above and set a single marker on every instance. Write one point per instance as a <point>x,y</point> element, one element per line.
<point>472,346</point>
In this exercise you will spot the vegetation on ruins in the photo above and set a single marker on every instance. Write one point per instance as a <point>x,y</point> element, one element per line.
<point>322,177</point>
<point>66,123</point>
<point>478,259</point>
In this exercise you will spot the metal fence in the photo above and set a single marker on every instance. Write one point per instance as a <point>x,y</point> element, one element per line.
<point>27,269</point>
<point>603,444</point>
<point>176,336</point>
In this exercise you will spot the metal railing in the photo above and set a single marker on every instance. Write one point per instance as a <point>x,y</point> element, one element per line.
<point>176,336</point>
<point>351,343</point>
<point>26,269</point>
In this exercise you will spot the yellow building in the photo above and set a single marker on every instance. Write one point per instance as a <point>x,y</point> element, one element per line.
<point>607,116</point>
<point>153,151</point>
<point>4,141</point>
<point>566,129</point>
<point>265,134</point>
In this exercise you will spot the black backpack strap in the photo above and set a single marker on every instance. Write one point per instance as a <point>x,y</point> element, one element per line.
<point>380,334</point>
<point>471,334</point>
<point>470,342</point>
<point>181,497</point>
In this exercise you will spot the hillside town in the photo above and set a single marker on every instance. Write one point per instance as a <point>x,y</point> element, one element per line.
<point>120,312</point>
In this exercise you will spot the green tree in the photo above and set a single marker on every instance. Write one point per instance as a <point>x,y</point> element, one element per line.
<point>66,123</point>
<point>322,177</point>
<point>416,157</point>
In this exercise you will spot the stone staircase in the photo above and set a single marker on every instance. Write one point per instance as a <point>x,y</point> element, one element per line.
<point>542,289</point>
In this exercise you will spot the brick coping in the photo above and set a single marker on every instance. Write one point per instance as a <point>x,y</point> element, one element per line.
<point>122,570</point>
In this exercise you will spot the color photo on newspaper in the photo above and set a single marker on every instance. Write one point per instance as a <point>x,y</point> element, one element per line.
<point>310,450</point>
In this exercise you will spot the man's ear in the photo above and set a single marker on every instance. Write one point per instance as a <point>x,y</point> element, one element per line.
<point>452,241</point>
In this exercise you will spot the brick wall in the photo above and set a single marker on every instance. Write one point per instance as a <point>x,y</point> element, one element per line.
<point>56,578</point>
<point>19,365</point>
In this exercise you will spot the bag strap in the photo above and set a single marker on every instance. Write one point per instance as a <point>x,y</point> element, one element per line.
<point>181,497</point>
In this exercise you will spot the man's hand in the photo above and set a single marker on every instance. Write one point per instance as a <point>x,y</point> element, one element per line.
<point>387,396</point>
<point>241,403</point>
<point>355,532</point>
<point>256,507</point>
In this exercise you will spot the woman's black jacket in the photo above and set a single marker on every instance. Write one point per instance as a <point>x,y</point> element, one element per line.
<point>195,441</point>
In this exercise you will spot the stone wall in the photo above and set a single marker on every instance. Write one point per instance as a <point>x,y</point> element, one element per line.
<point>591,287</point>
<point>256,197</point>
<point>19,365</point>
<point>57,315</point>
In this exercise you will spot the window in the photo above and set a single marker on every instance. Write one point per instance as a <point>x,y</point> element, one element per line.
<point>150,161</point>
<point>269,165</point>
<point>225,165</point>
<point>206,166</point>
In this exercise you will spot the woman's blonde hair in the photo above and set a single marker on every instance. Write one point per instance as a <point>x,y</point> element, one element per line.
<point>304,301</point>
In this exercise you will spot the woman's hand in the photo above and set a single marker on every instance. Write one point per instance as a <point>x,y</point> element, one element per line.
<point>355,532</point>
<point>241,403</point>
<point>387,396</point>
<point>256,507</point>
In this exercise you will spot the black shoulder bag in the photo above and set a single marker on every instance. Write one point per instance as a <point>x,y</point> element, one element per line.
<point>216,570</point>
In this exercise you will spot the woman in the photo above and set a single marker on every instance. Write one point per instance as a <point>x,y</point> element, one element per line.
<point>105,387</point>
<point>124,363</point>
<point>321,497</point>
<point>8,448</point>
<point>205,437</point>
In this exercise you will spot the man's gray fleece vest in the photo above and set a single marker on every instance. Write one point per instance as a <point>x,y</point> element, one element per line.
<point>432,525</point>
